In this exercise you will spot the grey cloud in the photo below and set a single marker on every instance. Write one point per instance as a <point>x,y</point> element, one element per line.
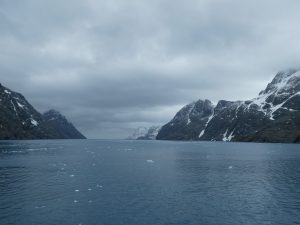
<point>110,66</point>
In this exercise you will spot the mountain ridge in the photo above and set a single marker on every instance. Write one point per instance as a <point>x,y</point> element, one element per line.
<point>20,120</point>
<point>273,116</point>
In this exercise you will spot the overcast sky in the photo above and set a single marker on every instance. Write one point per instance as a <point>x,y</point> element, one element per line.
<point>111,66</point>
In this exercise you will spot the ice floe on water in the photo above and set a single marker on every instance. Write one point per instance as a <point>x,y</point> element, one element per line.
<point>99,186</point>
<point>91,152</point>
<point>11,152</point>
<point>40,207</point>
<point>25,150</point>
<point>76,190</point>
<point>36,149</point>
<point>230,167</point>
<point>150,161</point>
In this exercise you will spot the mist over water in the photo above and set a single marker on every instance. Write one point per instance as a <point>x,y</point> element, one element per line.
<point>148,182</point>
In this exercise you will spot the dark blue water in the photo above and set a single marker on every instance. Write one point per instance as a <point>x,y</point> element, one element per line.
<point>138,182</point>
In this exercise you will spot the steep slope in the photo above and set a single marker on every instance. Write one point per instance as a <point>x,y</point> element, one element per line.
<point>282,94</point>
<point>19,119</point>
<point>61,127</point>
<point>274,116</point>
<point>187,122</point>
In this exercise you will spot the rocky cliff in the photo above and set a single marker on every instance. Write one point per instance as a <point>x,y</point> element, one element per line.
<point>20,120</point>
<point>273,116</point>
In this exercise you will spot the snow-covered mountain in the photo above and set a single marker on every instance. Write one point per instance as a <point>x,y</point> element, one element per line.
<point>188,121</point>
<point>144,133</point>
<point>273,116</point>
<point>284,89</point>
<point>19,119</point>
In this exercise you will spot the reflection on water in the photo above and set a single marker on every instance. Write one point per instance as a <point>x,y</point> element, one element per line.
<point>143,182</point>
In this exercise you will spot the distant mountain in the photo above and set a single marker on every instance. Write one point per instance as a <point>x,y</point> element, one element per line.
<point>274,116</point>
<point>19,120</point>
<point>61,126</point>
<point>143,133</point>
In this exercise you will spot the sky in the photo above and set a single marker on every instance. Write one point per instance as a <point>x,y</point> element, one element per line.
<point>111,66</point>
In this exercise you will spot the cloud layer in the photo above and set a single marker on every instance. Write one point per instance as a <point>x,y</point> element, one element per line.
<point>111,66</point>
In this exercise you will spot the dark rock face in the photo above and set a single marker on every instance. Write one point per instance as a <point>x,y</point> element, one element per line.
<point>61,127</point>
<point>274,116</point>
<point>187,122</point>
<point>19,119</point>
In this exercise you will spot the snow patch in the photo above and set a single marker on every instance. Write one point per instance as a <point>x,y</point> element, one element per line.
<point>201,133</point>
<point>34,122</point>
<point>281,86</point>
<point>14,107</point>
<point>191,107</point>
<point>275,108</point>
<point>227,137</point>
<point>208,121</point>
<point>20,105</point>
<point>145,133</point>
<point>189,121</point>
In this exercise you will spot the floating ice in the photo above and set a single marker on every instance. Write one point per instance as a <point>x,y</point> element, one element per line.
<point>36,149</point>
<point>150,161</point>
<point>40,207</point>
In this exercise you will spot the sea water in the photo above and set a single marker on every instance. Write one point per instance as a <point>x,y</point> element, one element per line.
<point>113,182</point>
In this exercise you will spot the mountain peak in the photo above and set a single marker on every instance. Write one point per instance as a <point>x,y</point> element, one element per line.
<point>20,120</point>
<point>283,89</point>
<point>272,116</point>
<point>193,116</point>
<point>61,125</point>
<point>52,111</point>
<point>197,108</point>
<point>283,81</point>
<point>53,115</point>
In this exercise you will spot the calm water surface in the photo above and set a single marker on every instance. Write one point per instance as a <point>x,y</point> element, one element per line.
<point>148,182</point>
